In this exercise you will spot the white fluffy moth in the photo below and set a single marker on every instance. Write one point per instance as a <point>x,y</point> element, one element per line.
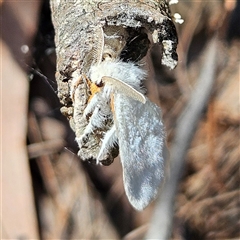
<point>101,85</point>
<point>137,128</point>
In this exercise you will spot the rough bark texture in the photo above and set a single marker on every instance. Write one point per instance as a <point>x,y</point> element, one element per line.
<point>87,31</point>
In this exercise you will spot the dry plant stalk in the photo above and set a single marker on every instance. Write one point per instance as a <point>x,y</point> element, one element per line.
<point>186,126</point>
<point>99,45</point>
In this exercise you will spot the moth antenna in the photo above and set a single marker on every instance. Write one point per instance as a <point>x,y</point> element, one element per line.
<point>98,49</point>
<point>125,88</point>
<point>94,56</point>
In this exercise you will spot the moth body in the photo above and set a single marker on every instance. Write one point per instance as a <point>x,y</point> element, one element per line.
<point>118,117</point>
<point>137,129</point>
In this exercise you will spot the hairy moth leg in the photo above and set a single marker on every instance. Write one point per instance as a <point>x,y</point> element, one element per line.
<point>90,140</point>
<point>92,104</point>
<point>100,115</point>
<point>109,141</point>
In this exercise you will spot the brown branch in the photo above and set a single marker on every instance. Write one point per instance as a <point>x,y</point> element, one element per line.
<point>161,223</point>
<point>45,148</point>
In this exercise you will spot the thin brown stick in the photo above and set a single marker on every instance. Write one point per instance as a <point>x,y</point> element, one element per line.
<point>161,223</point>
<point>45,148</point>
<point>43,161</point>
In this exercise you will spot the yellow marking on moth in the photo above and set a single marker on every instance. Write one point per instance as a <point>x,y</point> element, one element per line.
<point>112,106</point>
<point>112,103</point>
<point>88,81</point>
<point>93,89</point>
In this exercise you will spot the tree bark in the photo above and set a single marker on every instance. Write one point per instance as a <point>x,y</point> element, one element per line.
<point>81,27</point>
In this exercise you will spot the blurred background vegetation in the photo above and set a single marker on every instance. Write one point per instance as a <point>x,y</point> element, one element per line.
<point>48,193</point>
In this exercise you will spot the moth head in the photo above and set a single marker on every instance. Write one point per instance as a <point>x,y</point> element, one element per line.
<point>108,55</point>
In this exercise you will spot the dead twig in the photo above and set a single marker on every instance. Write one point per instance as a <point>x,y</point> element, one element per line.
<point>161,223</point>
<point>46,147</point>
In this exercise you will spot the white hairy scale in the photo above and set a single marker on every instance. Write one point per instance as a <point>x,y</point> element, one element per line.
<point>137,128</point>
<point>128,73</point>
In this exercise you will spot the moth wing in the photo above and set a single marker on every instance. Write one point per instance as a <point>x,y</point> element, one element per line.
<point>141,140</point>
